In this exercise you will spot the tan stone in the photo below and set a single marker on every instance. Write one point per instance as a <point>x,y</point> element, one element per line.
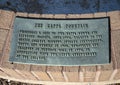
<point>71,68</point>
<point>114,15</point>
<point>7,64</point>
<point>115,36</point>
<point>106,67</point>
<point>46,16</point>
<point>38,68</point>
<point>86,15</point>
<point>12,73</point>
<point>53,71</point>
<point>73,16</point>
<point>40,72</point>
<point>56,76</point>
<point>2,73</point>
<point>41,75</point>
<point>21,14</point>
<point>6,52</point>
<point>60,16</point>
<point>6,56</point>
<point>71,73</point>
<point>3,35</point>
<point>34,15</point>
<point>23,67</point>
<point>26,74</point>
<point>88,68</point>
<point>105,75</point>
<point>117,75</point>
<point>89,79</point>
<point>54,68</point>
<point>114,19</point>
<point>115,26</point>
<point>6,18</point>
<point>106,72</point>
<point>24,70</point>
<point>100,14</point>
<point>88,72</point>
<point>1,48</point>
<point>72,76</point>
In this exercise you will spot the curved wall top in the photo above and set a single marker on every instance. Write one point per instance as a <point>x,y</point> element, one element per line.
<point>98,74</point>
<point>60,6</point>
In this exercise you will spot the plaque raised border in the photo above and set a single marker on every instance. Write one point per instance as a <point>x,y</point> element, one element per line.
<point>81,41</point>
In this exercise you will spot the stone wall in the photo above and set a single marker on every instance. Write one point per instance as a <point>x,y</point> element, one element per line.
<point>52,75</point>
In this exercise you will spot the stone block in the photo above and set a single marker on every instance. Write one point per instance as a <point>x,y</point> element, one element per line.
<point>61,16</point>
<point>21,14</point>
<point>73,16</point>
<point>24,70</point>
<point>3,35</point>
<point>115,36</point>
<point>40,72</point>
<point>88,72</point>
<point>12,73</point>
<point>114,19</point>
<point>100,14</point>
<point>55,73</point>
<point>34,15</point>
<point>86,15</point>
<point>46,16</point>
<point>71,73</point>
<point>6,18</point>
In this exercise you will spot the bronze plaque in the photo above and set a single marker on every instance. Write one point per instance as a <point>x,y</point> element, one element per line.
<point>62,42</point>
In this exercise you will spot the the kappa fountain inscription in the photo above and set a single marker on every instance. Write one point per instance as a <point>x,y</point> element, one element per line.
<point>60,42</point>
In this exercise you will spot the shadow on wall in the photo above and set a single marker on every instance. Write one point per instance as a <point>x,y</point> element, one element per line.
<point>60,6</point>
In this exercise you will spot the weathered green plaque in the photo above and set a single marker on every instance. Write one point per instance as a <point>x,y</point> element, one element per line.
<point>71,42</point>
